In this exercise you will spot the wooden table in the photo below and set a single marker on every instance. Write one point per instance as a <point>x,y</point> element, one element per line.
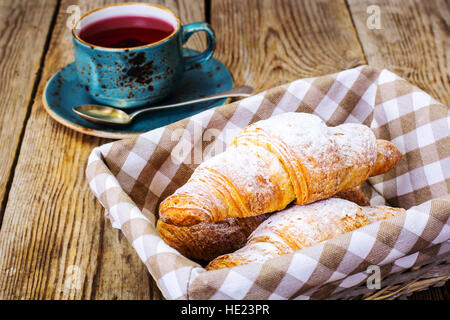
<point>54,240</point>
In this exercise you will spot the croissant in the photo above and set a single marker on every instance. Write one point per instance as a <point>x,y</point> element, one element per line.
<point>271,163</point>
<point>299,227</point>
<point>206,241</point>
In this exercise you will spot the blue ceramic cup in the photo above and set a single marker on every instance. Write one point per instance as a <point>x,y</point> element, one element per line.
<point>142,75</point>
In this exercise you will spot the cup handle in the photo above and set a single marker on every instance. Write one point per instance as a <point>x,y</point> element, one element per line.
<point>187,31</point>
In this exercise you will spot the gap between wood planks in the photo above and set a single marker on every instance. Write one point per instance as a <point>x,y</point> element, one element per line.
<point>37,80</point>
<point>208,11</point>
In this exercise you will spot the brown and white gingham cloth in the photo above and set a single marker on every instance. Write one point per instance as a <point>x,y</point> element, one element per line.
<point>131,177</point>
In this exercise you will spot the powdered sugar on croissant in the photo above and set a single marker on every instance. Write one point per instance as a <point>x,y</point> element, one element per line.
<point>301,226</point>
<point>292,156</point>
<point>320,160</point>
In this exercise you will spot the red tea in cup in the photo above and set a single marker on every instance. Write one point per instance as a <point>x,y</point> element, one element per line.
<point>126,31</point>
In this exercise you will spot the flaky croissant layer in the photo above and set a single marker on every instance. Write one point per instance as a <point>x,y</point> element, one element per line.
<point>206,241</point>
<point>289,157</point>
<point>301,226</point>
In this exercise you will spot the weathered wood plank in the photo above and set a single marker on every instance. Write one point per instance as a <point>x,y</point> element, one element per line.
<point>24,26</point>
<point>413,41</point>
<point>55,242</point>
<point>267,43</point>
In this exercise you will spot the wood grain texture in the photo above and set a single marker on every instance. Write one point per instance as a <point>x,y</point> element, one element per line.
<point>55,242</point>
<point>268,43</point>
<point>24,26</point>
<point>413,41</point>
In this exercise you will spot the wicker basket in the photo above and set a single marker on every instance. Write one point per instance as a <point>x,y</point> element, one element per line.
<point>433,273</point>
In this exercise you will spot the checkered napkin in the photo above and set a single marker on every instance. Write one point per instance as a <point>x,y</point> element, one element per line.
<point>131,177</point>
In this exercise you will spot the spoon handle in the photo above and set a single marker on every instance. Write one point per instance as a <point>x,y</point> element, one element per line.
<point>241,91</point>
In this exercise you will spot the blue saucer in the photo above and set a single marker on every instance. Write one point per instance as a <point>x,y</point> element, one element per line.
<point>63,92</point>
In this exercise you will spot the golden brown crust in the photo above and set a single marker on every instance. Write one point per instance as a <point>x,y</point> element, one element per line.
<point>273,162</point>
<point>206,241</point>
<point>240,182</point>
<point>376,213</point>
<point>387,157</point>
<point>299,227</point>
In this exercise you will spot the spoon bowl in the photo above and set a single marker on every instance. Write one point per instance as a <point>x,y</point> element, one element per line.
<point>102,114</point>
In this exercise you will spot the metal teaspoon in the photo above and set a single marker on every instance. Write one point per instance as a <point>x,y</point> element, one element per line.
<point>111,115</point>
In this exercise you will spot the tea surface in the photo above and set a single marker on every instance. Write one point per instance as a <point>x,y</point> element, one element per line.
<point>126,31</point>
